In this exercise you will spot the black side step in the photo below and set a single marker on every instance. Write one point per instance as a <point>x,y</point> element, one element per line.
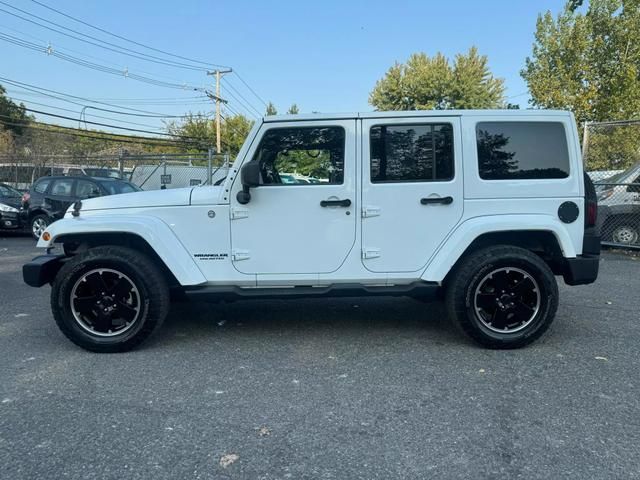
<point>415,289</point>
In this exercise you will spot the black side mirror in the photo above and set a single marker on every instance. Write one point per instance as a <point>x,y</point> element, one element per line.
<point>250,178</point>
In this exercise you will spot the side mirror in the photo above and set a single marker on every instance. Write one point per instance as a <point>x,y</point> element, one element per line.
<point>250,174</point>
<point>250,178</point>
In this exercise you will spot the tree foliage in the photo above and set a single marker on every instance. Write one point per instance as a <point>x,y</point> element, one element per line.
<point>589,63</point>
<point>293,109</point>
<point>271,109</point>
<point>424,83</point>
<point>233,132</point>
<point>12,115</point>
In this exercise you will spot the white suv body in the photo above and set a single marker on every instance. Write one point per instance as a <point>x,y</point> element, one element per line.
<point>402,197</point>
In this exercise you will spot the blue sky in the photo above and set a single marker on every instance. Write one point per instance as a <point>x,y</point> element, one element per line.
<point>325,56</point>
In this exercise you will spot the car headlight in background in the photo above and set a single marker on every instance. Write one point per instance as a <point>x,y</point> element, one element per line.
<point>7,208</point>
<point>604,195</point>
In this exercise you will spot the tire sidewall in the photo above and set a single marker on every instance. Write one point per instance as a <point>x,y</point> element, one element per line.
<point>548,299</point>
<point>63,302</point>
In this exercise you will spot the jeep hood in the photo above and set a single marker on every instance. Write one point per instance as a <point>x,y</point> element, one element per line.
<point>153,198</point>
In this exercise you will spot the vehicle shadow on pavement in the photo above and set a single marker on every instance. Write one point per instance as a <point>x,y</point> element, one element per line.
<point>298,319</point>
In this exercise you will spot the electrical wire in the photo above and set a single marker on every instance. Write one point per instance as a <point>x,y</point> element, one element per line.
<point>60,96</point>
<point>55,115</point>
<point>208,64</point>
<point>102,43</point>
<point>246,85</point>
<point>95,66</point>
<point>111,137</point>
<point>251,107</point>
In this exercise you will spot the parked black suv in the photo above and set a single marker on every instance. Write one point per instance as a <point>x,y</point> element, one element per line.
<point>49,197</point>
<point>9,207</point>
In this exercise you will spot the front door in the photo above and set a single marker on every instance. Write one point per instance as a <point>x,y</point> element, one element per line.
<point>300,220</point>
<point>412,193</point>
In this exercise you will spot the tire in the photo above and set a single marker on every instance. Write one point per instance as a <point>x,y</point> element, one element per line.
<point>38,225</point>
<point>502,296</point>
<point>135,299</point>
<point>624,233</point>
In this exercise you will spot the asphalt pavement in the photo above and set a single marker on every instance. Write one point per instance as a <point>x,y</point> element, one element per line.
<point>363,388</point>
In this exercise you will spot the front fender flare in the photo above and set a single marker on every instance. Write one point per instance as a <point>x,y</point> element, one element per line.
<point>153,230</point>
<point>466,232</point>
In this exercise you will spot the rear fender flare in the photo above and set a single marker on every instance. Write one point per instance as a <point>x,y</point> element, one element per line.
<point>466,232</point>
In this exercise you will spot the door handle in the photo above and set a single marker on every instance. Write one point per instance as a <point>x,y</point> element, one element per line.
<point>436,200</point>
<point>336,203</point>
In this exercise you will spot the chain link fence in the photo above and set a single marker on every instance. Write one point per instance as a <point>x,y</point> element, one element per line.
<point>611,152</point>
<point>148,171</point>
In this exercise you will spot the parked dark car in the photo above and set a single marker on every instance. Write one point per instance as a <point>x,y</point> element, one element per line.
<point>10,207</point>
<point>49,197</point>
<point>619,207</point>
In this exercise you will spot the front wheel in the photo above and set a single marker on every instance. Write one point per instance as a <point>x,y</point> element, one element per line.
<point>502,296</point>
<point>109,299</point>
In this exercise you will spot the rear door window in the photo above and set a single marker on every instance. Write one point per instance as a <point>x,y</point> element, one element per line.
<point>62,187</point>
<point>87,189</point>
<point>42,185</point>
<point>522,150</point>
<point>411,153</point>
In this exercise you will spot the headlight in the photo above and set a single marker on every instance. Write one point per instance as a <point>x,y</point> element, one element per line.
<point>7,208</point>
<point>604,195</point>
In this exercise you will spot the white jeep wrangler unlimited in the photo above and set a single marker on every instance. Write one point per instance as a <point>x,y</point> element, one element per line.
<point>481,208</point>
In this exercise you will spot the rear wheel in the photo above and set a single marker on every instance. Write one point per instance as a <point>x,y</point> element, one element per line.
<point>502,296</point>
<point>39,224</point>
<point>109,299</point>
<point>625,233</point>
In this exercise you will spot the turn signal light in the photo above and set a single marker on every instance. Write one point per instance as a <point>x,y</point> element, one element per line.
<point>46,236</point>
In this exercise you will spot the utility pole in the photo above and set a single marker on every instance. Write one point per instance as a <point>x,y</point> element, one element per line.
<point>218,100</point>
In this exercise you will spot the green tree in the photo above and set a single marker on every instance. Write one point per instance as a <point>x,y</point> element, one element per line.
<point>293,109</point>
<point>271,110</point>
<point>589,63</point>
<point>12,115</point>
<point>425,83</point>
<point>233,132</point>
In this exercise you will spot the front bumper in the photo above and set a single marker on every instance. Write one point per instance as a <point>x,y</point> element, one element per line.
<point>10,220</point>
<point>42,269</point>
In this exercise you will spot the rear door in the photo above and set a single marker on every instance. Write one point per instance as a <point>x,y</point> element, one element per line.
<point>412,190</point>
<point>59,196</point>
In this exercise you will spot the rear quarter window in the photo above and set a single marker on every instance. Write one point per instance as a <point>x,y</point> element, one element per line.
<point>42,185</point>
<point>522,150</point>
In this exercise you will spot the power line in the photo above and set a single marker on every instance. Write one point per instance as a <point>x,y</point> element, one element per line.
<point>94,66</point>
<point>111,126</point>
<point>248,87</point>
<point>126,39</point>
<point>126,101</point>
<point>83,53</point>
<point>74,111</point>
<point>250,106</point>
<point>60,96</point>
<point>103,43</point>
<point>111,137</point>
